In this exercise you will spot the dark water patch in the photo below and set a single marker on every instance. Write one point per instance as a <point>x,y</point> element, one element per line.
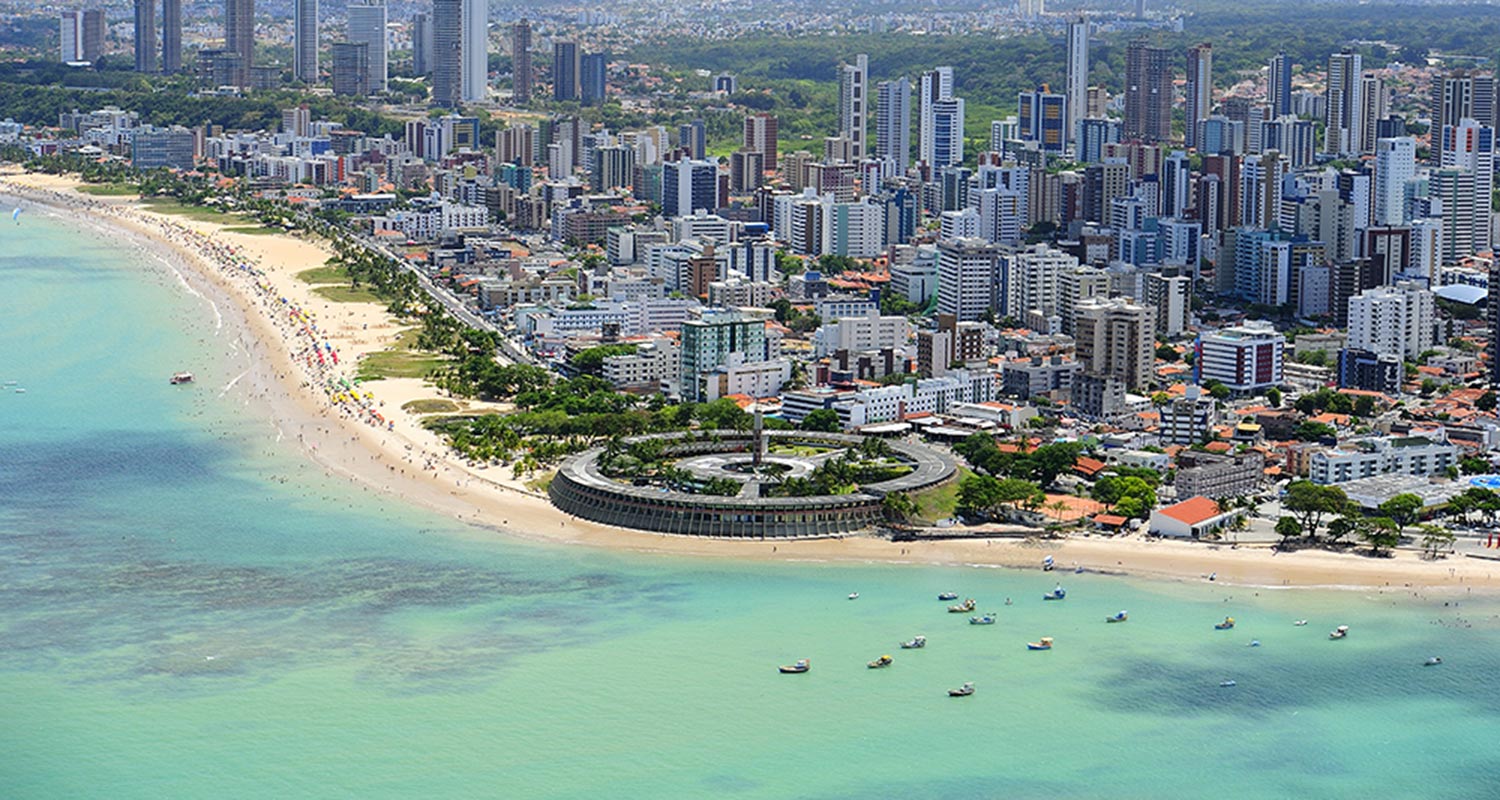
<point>56,475</point>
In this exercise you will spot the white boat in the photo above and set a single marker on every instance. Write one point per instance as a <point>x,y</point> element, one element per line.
<point>1299,623</point>
<point>1120,616</point>
<point>181,378</point>
<point>20,391</point>
<point>962,691</point>
<point>854,595</point>
<point>1227,683</point>
<point>917,643</point>
<point>986,619</point>
<point>1432,662</point>
<point>1339,632</point>
<point>1254,643</point>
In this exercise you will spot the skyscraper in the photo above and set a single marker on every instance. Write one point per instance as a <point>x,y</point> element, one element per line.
<point>367,24</point>
<point>474,50</point>
<point>1376,105</point>
<point>893,122</point>
<point>1462,95</point>
<point>1395,165</point>
<point>1279,85</point>
<point>1200,89</point>
<point>239,36</point>
<point>1468,149</point>
<point>351,68</point>
<point>936,86</point>
<point>689,185</point>
<point>447,78</point>
<point>520,59</point>
<point>421,44</point>
<point>145,35</point>
<point>171,36</point>
<point>854,98</point>
<point>1148,93</point>
<point>1078,74</point>
<point>70,37</point>
<point>593,78</point>
<point>1041,115</point>
<point>1344,123</point>
<point>93,34</point>
<point>947,132</point>
<point>305,41</point>
<point>760,136</point>
<point>565,71</point>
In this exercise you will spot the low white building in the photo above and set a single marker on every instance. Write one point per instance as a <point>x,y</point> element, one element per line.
<point>1190,519</point>
<point>650,365</point>
<point>1382,455</point>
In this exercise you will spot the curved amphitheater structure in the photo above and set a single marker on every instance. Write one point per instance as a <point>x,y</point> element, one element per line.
<point>758,462</point>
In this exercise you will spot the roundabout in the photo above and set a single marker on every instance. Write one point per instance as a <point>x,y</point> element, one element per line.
<point>745,484</point>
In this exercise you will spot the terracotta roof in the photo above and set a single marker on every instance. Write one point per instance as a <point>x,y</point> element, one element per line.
<point>1088,466</point>
<point>1218,447</point>
<point>1192,510</point>
<point>1111,520</point>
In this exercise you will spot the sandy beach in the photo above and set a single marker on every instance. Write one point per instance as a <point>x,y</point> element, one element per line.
<point>303,347</point>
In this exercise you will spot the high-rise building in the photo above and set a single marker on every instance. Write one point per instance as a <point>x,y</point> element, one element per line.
<point>713,342</point>
<point>936,85</point>
<point>447,65</point>
<point>593,79</point>
<point>367,24</point>
<point>305,40</point>
<point>854,80</point>
<point>474,51</point>
<point>351,69</point>
<point>893,122</point>
<point>947,132</point>
<point>1200,89</point>
<point>70,37</point>
<point>1464,180</point>
<point>565,71</point>
<point>1279,85</point>
<point>693,137</point>
<point>239,36</point>
<point>688,186</point>
<point>1148,92</point>
<point>1395,167</point>
<point>967,278</point>
<point>145,35</point>
<point>760,137</point>
<point>520,59</point>
<point>1396,320</point>
<point>1078,74</point>
<point>93,35</point>
<point>1344,123</point>
<point>421,44</point>
<point>1462,95</point>
<point>1245,357</point>
<point>1294,138</point>
<point>171,36</point>
<point>1116,338</point>
<point>1041,116</point>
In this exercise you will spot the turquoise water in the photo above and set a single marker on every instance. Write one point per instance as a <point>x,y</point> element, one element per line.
<point>190,610</point>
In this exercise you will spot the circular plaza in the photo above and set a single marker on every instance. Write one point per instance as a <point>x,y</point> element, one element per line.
<point>745,485</point>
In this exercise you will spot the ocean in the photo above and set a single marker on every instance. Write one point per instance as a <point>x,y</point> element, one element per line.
<point>191,608</point>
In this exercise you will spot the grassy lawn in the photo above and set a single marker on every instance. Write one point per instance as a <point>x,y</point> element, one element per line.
<point>171,205</point>
<point>347,294</point>
<point>802,450</point>
<point>431,406</point>
<point>253,230</point>
<point>941,501</point>
<point>320,275</point>
<point>541,482</point>
<point>109,189</point>
<point>402,360</point>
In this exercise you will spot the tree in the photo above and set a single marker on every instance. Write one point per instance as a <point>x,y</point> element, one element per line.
<point>1309,502</point>
<point>1167,353</point>
<point>1273,397</point>
<point>1218,390</point>
<point>1381,532</point>
<point>822,419</point>
<point>1402,509</point>
<point>1051,460</point>
<point>1435,539</point>
<point>1342,526</point>
<point>1288,528</point>
<point>899,507</point>
<point>1364,406</point>
<point>1486,401</point>
<point>723,415</point>
<point>1309,431</point>
<point>1473,466</point>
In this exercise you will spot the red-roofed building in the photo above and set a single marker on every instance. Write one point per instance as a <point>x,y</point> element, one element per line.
<point>1190,519</point>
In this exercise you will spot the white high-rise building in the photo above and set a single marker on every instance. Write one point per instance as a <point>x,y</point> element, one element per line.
<point>936,86</point>
<point>474,55</point>
<point>1346,108</point>
<point>854,99</point>
<point>1395,166</point>
<point>893,122</point>
<point>1464,180</point>
<point>947,141</point>
<point>1398,320</point>
<point>70,33</point>
<point>1078,73</point>
<point>1032,280</point>
<point>367,24</point>
<point>1002,214</point>
<point>966,277</point>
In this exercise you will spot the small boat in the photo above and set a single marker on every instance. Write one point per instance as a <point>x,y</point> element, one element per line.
<point>1227,683</point>
<point>1044,644</point>
<point>984,619</point>
<point>879,663</point>
<point>854,595</point>
<point>20,391</point>
<point>962,691</point>
<point>1078,570</point>
<point>1432,662</point>
<point>1047,564</point>
<point>1299,623</point>
<point>1056,594</point>
<point>802,665</point>
<point>916,643</point>
<point>1225,625</point>
<point>1120,616</point>
<point>1339,632</point>
<point>1254,643</point>
<point>946,596</point>
<point>180,378</point>
<point>962,608</point>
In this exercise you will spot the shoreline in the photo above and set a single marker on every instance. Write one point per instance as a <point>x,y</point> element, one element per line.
<point>408,463</point>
